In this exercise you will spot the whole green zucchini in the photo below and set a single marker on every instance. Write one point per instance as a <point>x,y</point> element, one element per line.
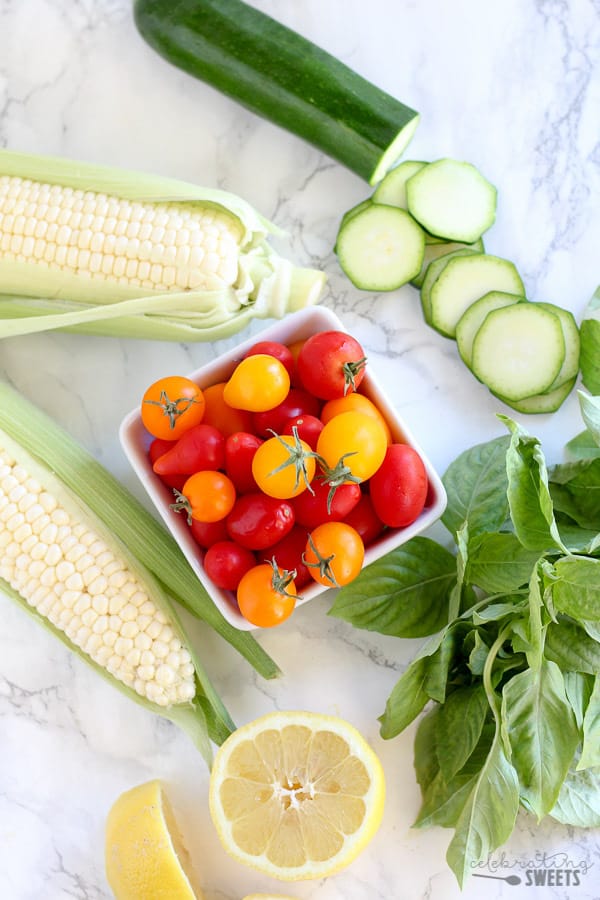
<point>283,77</point>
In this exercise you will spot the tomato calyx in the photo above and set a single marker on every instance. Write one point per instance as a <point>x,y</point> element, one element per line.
<point>281,579</point>
<point>351,370</point>
<point>297,457</point>
<point>171,408</point>
<point>336,476</point>
<point>323,563</point>
<point>181,504</point>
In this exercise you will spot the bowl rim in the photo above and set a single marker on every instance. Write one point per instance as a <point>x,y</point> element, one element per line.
<point>135,441</point>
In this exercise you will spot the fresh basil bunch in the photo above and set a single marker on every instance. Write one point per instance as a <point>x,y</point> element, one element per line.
<point>510,683</point>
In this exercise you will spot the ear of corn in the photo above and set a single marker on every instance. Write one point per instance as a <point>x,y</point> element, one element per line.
<point>71,560</point>
<point>105,251</point>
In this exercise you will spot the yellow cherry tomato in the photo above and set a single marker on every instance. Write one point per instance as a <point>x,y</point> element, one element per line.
<point>258,383</point>
<point>334,554</point>
<point>283,466</point>
<point>358,439</point>
<point>354,402</point>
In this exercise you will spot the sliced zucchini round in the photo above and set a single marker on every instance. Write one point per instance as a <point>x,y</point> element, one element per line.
<point>433,272</point>
<point>436,248</point>
<point>570,366</point>
<point>469,323</point>
<point>548,402</point>
<point>380,248</point>
<point>518,351</point>
<point>452,199</point>
<point>392,189</point>
<point>463,281</point>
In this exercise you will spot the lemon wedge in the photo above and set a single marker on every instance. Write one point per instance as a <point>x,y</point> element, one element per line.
<point>145,854</point>
<point>296,795</point>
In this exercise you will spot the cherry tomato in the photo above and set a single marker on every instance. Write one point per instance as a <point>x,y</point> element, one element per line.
<point>399,489</point>
<point>288,553</point>
<point>279,351</point>
<point>365,520</point>
<point>309,428</point>
<point>354,402</point>
<point>201,447</point>
<point>226,562</point>
<point>297,402</point>
<point>334,554</point>
<point>239,453</point>
<point>257,521</point>
<point>208,533</point>
<point>222,416</point>
<point>295,347</point>
<point>158,448</point>
<point>283,466</point>
<point>257,383</point>
<point>172,405</point>
<point>311,508</point>
<point>207,496</point>
<point>266,595</point>
<point>358,439</point>
<point>331,364</point>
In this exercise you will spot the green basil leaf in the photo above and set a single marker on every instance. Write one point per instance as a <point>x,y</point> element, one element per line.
<point>476,485</point>
<point>496,611</point>
<point>488,816</point>
<point>589,358</point>
<point>536,716</point>
<point>529,498</point>
<point>578,802</point>
<point>426,761</point>
<point>576,590</point>
<point>441,661</point>
<point>406,701</point>
<point>590,411</point>
<point>590,751</point>
<point>404,594</point>
<point>584,445</point>
<point>499,562</point>
<point>578,688</point>
<point>459,728</point>
<point>575,538</point>
<point>571,647</point>
<point>575,491</point>
<point>455,603</point>
<point>478,656</point>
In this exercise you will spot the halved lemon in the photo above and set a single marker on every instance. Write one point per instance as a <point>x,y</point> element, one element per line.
<point>296,795</point>
<point>144,852</point>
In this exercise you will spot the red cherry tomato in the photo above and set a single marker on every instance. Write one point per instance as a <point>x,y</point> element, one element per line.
<point>257,521</point>
<point>309,428</point>
<point>311,508</point>
<point>296,403</point>
<point>208,533</point>
<point>226,562</point>
<point>266,596</point>
<point>365,520</point>
<point>201,447</point>
<point>331,364</point>
<point>399,487</point>
<point>158,448</point>
<point>239,453</point>
<point>288,553</point>
<point>274,348</point>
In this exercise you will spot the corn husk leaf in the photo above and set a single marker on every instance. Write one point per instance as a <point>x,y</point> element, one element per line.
<point>268,285</point>
<point>124,515</point>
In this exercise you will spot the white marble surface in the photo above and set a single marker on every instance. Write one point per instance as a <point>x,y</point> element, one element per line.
<point>513,87</point>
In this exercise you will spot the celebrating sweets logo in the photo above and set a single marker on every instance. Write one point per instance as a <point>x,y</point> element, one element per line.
<point>541,870</point>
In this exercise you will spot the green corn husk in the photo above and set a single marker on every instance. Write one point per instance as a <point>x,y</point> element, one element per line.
<point>268,285</point>
<point>146,539</point>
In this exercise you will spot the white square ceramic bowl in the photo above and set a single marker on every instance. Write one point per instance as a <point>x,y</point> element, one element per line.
<point>297,326</point>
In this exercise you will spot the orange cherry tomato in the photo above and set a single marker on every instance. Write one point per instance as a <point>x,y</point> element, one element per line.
<point>283,466</point>
<point>222,416</point>
<point>354,402</point>
<point>207,496</point>
<point>266,595</point>
<point>359,440</point>
<point>258,383</point>
<point>172,405</point>
<point>334,554</point>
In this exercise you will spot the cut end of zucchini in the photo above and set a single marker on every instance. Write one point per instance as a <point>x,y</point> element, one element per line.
<point>452,199</point>
<point>395,150</point>
<point>380,248</point>
<point>518,351</point>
